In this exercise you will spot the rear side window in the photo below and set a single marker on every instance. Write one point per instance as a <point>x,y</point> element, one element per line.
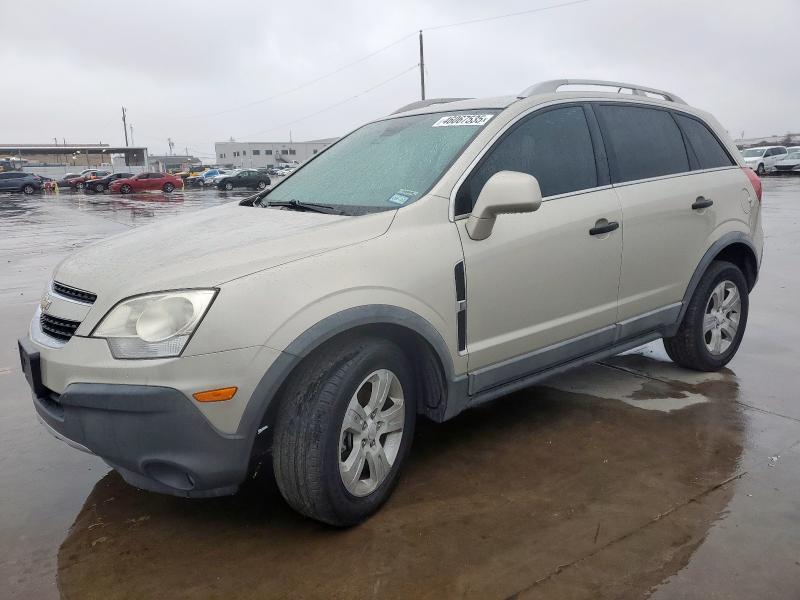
<point>710,153</point>
<point>644,142</point>
<point>554,146</point>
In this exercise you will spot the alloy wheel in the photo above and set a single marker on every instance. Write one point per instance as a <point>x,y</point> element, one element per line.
<point>721,319</point>
<point>371,432</point>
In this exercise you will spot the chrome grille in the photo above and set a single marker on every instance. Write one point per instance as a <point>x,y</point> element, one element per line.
<point>74,293</point>
<point>60,329</point>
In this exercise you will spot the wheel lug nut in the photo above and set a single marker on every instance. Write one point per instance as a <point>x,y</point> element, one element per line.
<point>363,443</point>
<point>372,443</point>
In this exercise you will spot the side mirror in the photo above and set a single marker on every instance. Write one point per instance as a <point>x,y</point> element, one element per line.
<point>506,192</point>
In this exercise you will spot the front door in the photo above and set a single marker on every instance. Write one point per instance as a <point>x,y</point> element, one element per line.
<point>543,286</point>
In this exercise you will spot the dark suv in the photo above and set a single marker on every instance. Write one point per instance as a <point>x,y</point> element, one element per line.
<point>17,181</point>
<point>101,184</point>
<point>244,178</point>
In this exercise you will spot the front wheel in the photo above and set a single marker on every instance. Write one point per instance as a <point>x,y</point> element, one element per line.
<point>344,429</point>
<point>125,189</point>
<point>261,185</point>
<point>28,189</point>
<point>228,186</point>
<point>98,187</point>
<point>761,170</point>
<point>715,320</point>
<point>168,187</point>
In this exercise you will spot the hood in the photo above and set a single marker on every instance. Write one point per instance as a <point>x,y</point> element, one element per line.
<point>752,159</point>
<point>211,247</point>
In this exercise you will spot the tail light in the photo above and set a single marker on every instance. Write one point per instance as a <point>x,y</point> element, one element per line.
<point>755,180</point>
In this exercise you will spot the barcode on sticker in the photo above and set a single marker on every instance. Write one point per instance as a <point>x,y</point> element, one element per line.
<point>459,120</point>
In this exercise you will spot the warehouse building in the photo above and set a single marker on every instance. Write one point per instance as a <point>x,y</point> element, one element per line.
<point>268,154</point>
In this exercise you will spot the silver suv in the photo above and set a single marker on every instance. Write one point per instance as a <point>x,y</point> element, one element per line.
<point>474,248</point>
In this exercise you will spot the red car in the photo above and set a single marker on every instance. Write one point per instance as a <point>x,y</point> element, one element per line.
<point>146,181</point>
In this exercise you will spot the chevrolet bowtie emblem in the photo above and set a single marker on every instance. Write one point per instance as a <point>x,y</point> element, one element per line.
<point>46,301</point>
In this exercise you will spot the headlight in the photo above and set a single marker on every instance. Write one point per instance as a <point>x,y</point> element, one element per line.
<point>154,325</point>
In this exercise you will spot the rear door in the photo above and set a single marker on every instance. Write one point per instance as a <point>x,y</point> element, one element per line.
<point>663,190</point>
<point>541,278</point>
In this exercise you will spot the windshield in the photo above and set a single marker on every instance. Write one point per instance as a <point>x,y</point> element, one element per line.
<point>383,165</point>
<point>754,152</point>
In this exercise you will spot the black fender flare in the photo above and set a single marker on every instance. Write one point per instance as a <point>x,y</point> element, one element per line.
<point>323,331</point>
<point>733,237</point>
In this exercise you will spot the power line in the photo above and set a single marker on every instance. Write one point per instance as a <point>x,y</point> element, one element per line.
<point>303,118</point>
<point>305,84</point>
<point>332,106</point>
<point>505,16</point>
<point>375,53</point>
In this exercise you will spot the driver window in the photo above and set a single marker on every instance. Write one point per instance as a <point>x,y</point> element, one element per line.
<point>554,146</point>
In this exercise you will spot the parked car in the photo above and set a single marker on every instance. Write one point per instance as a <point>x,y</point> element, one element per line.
<point>310,324</point>
<point>18,181</point>
<point>763,159</point>
<point>146,181</point>
<point>790,164</point>
<point>205,178</point>
<point>78,182</point>
<point>250,178</point>
<point>101,184</point>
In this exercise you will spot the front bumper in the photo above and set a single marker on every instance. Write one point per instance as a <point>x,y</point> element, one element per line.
<point>153,436</point>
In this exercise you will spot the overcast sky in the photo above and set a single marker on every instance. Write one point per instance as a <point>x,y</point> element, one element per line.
<point>176,66</point>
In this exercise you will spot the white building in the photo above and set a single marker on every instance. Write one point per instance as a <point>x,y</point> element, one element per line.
<point>267,154</point>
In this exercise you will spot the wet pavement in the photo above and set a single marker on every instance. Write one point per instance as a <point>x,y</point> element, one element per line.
<point>630,478</point>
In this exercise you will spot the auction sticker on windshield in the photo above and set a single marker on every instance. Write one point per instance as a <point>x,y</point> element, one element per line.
<point>459,120</point>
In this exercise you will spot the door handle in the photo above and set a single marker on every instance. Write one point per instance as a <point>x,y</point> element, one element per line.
<point>702,203</point>
<point>600,228</point>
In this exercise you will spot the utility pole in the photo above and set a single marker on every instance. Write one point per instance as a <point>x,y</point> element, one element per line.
<point>132,142</point>
<point>171,145</point>
<point>124,126</point>
<point>421,66</point>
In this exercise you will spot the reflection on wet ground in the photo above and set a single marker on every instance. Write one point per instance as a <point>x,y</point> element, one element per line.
<point>625,479</point>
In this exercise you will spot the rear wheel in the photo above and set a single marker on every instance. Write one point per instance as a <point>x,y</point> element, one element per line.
<point>343,431</point>
<point>715,320</point>
<point>28,189</point>
<point>168,187</point>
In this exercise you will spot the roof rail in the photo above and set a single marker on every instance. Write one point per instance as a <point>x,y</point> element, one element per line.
<point>424,103</point>
<point>552,86</point>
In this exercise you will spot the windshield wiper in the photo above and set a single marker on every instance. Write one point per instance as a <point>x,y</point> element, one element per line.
<point>298,205</point>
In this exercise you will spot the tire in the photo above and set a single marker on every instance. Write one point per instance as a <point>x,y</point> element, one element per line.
<point>761,171</point>
<point>261,185</point>
<point>168,187</point>
<point>79,186</point>
<point>28,189</point>
<point>228,186</point>
<point>125,189</point>
<point>311,440</point>
<point>697,347</point>
<point>98,187</point>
